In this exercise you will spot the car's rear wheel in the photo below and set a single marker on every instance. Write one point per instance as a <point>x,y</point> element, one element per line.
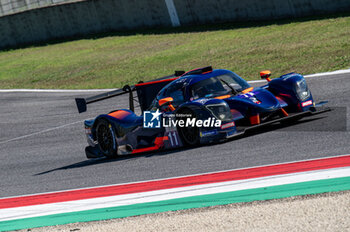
<point>106,138</point>
<point>189,134</point>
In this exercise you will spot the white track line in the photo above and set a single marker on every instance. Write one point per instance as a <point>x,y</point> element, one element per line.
<point>106,90</point>
<point>344,71</point>
<point>40,132</point>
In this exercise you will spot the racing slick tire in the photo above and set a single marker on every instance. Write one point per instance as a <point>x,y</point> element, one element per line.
<point>189,135</point>
<point>106,138</point>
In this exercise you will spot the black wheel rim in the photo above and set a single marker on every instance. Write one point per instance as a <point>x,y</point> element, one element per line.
<point>105,138</point>
<point>189,134</point>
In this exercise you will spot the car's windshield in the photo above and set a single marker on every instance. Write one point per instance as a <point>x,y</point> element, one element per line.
<point>218,85</point>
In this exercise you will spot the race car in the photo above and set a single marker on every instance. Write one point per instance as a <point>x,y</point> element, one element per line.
<point>191,108</point>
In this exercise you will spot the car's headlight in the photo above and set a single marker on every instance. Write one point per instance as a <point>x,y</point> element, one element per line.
<point>302,90</point>
<point>221,111</point>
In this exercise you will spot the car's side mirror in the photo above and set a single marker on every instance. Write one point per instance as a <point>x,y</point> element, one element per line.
<point>165,101</point>
<point>265,75</point>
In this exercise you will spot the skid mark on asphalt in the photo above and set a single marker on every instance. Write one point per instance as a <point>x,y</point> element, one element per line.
<point>40,132</point>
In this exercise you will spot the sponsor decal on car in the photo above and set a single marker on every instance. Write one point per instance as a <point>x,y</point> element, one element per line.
<point>87,130</point>
<point>230,133</point>
<point>202,100</point>
<point>251,96</point>
<point>208,133</point>
<point>227,125</point>
<point>307,103</point>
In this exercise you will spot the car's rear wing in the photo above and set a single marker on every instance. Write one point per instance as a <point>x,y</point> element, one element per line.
<point>83,102</point>
<point>146,92</point>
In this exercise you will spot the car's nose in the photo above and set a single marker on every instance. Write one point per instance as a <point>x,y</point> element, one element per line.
<point>259,99</point>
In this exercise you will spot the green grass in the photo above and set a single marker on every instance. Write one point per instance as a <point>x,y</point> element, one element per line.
<point>109,61</point>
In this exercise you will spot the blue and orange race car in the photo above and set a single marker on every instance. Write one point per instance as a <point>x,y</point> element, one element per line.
<point>192,108</point>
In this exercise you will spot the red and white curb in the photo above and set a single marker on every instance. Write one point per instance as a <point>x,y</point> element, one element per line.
<point>144,197</point>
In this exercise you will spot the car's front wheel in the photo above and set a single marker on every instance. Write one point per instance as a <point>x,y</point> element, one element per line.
<point>106,138</point>
<point>189,134</point>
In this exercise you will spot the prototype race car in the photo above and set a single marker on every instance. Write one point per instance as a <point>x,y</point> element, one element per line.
<point>195,107</point>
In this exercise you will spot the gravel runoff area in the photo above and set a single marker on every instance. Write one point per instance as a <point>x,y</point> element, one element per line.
<point>322,212</point>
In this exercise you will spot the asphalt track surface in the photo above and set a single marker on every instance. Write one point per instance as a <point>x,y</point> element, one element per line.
<point>42,143</point>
